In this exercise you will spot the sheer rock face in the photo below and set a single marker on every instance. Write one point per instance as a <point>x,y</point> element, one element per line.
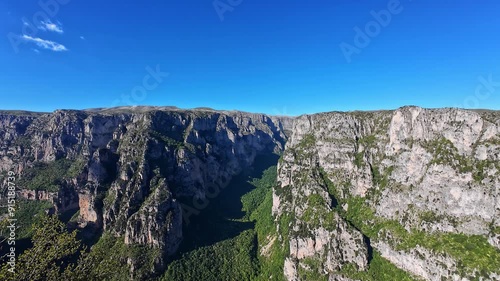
<point>434,171</point>
<point>431,172</point>
<point>129,167</point>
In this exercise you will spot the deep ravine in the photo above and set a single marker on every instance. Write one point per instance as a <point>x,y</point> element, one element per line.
<point>408,194</point>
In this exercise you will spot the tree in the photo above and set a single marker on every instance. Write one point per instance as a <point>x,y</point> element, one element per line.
<point>50,257</point>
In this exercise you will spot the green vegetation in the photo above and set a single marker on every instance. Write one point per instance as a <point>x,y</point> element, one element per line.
<point>75,216</point>
<point>304,148</point>
<point>226,260</point>
<point>380,270</point>
<point>49,176</point>
<point>379,179</point>
<point>363,218</point>
<point>358,159</point>
<point>317,213</point>
<point>76,168</point>
<point>24,141</point>
<point>246,244</point>
<point>330,186</point>
<point>167,140</point>
<point>430,216</point>
<point>311,273</point>
<point>480,167</point>
<point>238,258</point>
<point>109,198</point>
<point>495,229</point>
<point>253,199</point>
<point>471,252</point>
<point>307,141</point>
<point>52,247</point>
<point>271,264</point>
<point>368,141</point>
<point>109,259</point>
<point>444,152</point>
<point>171,142</point>
<point>28,213</point>
<point>58,255</point>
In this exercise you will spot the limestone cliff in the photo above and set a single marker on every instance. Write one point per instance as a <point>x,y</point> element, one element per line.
<point>410,194</point>
<point>125,169</point>
<point>416,187</point>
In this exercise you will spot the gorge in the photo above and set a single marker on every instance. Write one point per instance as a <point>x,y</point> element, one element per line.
<point>410,194</point>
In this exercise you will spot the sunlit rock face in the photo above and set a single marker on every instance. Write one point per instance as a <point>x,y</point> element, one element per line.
<point>413,189</point>
<point>124,169</point>
<point>361,182</point>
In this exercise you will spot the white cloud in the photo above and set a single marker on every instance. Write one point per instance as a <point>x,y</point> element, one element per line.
<point>45,44</point>
<point>81,37</point>
<point>49,26</point>
<point>36,51</point>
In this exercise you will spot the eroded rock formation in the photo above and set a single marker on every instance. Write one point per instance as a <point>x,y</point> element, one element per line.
<point>413,184</point>
<point>125,169</point>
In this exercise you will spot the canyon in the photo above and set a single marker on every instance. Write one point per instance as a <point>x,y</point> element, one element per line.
<point>412,191</point>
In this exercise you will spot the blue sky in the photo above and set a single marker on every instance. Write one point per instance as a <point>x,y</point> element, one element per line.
<point>277,57</point>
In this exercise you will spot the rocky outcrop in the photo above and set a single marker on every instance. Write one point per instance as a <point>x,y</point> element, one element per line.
<point>413,192</point>
<point>66,199</point>
<point>416,186</point>
<point>125,169</point>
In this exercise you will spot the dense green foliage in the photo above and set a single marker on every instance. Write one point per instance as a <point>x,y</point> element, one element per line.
<point>253,199</point>
<point>317,214</point>
<point>358,159</point>
<point>227,260</point>
<point>28,213</point>
<point>171,141</point>
<point>471,252</point>
<point>57,254</point>
<point>109,258</point>
<point>380,270</point>
<point>244,244</point>
<point>368,141</point>
<point>52,247</point>
<point>49,176</point>
<point>444,152</point>
<point>312,273</point>
<point>238,258</point>
<point>268,236</point>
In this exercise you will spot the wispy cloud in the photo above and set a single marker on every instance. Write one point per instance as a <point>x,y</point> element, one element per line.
<point>50,26</point>
<point>45,44</point>
<point>81,37</point>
